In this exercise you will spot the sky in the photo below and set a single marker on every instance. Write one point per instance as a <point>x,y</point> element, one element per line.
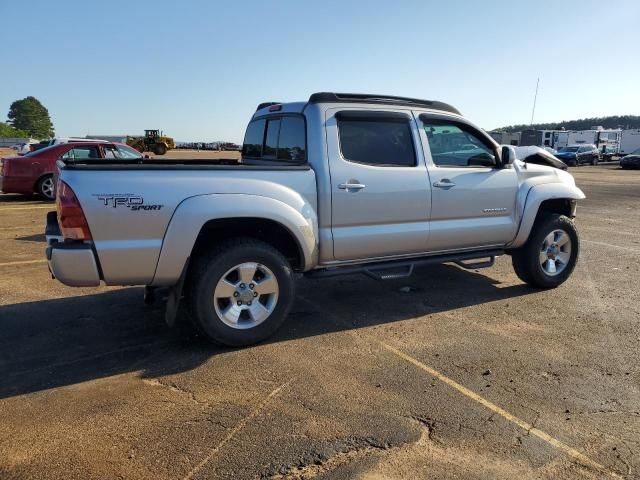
<point>197,69</point>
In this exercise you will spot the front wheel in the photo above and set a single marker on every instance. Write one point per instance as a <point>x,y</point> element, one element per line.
<point>550,254</point>
<point>160,149</point>
<point>46,187</point>
<point>241,292</point>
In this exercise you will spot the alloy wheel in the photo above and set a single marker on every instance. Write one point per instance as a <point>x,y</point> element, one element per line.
<point>246,295</point>
<point>555,252</point>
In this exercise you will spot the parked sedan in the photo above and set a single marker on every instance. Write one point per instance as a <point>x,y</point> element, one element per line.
<point>22,148</point>
<point>632,160</point>
<point>575,155</point>
<point>33,172</point>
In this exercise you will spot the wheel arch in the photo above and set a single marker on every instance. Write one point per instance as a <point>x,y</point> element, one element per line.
<point>200,222</point>
<point>546,198</point>
<point>39,179</point>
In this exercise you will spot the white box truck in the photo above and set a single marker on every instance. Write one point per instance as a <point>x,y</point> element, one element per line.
<point>629,141</point>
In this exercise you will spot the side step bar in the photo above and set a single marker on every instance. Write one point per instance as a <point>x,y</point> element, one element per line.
<point>393,269</point>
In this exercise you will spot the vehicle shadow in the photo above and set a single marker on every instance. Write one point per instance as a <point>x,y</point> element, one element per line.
<point>15,198</point>
<point>53,343</point>
<point>38,237</point>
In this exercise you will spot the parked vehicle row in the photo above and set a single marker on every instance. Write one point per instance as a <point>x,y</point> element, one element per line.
<point>631,161</point>
<point>575,155</point>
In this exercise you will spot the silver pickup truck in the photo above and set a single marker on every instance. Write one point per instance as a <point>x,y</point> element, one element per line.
<point>341,183</point>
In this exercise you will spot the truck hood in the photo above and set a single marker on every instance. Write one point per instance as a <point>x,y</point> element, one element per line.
<point>534,174</point>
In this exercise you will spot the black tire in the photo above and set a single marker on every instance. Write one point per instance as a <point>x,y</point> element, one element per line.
<point>160,149</point>
<point>526,259</point>
<point>205,273</point>
<point>594,160</point>
<point>46,188</point>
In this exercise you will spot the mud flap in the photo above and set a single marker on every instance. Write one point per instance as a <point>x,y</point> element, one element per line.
<point>173,298</point>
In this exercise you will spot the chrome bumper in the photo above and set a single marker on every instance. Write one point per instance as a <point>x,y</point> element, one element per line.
<point>72,263</point>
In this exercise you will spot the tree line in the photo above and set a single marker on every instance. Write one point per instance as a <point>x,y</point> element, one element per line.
<point>27,118</point>
<point>616,121</point>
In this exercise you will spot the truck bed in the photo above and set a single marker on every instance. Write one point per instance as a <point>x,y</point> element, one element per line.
<point>129,204</point>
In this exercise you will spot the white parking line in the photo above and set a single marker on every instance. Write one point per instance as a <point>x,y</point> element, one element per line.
<point>571,452</point>
<point>22,262</point>
<point>611,245</point>
<point>235,430</point>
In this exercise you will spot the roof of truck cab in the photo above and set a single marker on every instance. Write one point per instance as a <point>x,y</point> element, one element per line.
<point>331,98</point>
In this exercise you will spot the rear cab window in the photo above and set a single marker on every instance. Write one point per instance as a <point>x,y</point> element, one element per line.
<point>276,140</point>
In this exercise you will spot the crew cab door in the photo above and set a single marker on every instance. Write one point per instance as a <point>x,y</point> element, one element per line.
<point>473,198</point>
<point>379,184</point>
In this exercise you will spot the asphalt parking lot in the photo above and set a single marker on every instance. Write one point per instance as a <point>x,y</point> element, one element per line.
<point>448,374</point>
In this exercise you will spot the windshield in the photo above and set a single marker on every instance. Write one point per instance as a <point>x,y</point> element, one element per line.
<point>568,149</point>
<point>635,152</point>
<point>121,152</point>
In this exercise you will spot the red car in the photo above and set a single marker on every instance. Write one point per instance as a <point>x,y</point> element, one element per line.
<point>33,172</point>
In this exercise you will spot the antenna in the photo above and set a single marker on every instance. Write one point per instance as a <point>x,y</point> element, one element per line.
<point>535,98</point>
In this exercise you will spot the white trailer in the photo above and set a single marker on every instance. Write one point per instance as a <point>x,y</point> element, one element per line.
<point>629,141</point>
<point>607,141</point>
<point>560,139</point>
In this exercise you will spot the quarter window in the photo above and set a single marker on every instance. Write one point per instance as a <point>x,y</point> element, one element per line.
<point>380,141</point>
<point>455,146</point>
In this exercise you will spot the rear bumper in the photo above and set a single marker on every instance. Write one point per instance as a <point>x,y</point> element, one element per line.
<point>72,263</point>
<point>16,185</point>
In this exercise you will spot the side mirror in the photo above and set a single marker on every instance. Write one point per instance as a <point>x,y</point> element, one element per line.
<point>147,156</point>
<point>508,155</point>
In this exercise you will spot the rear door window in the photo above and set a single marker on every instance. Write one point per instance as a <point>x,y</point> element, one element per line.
<point>380,141</point>
<point>82,153</point>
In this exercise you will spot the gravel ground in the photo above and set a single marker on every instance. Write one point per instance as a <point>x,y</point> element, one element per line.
<point>460,375</point>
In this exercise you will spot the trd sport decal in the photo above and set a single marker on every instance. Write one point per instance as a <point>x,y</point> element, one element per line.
<point>132,202</point>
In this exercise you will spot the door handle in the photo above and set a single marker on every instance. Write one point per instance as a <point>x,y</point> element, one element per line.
<point>444,183</point>
<point>351,185</point>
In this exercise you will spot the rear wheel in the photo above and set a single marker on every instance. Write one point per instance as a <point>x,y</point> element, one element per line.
<point>550,254</point>
<point>240,293</point>
<point>160,149</point>
<point>46,187</point>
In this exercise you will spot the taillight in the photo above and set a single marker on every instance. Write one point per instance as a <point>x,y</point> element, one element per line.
<point>70,215</point>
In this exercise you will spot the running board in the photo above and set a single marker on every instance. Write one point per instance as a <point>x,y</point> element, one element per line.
<point>393,269</point>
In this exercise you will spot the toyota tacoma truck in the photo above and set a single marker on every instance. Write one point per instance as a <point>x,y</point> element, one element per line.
<point>339,184</point>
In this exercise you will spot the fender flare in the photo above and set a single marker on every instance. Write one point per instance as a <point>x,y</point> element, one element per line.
<point>535,196</point>
<point>191,215</point>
